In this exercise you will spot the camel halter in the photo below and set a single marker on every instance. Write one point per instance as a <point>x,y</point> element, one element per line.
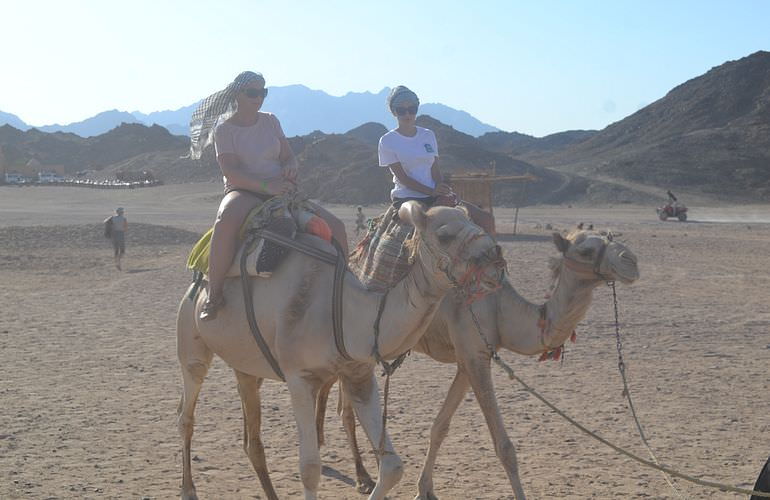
<point>584,270</point>
<point>472,284</point>
<point>592,270</point>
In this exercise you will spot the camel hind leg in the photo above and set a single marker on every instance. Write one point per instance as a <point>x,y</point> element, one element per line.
<point>439,431</point>
<point>248,388</point>
<point>364,482</point>
<point>194,360</point>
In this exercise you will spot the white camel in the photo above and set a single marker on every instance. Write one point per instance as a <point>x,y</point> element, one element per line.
<point>507,320</point>
<point>293,311</point>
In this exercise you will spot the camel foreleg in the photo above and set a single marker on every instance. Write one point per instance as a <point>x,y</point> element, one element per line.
<point>303,403</point>
<point>365,398</point>
<point>439,431</point>
<point>248,388</point>
<point>480,376</point>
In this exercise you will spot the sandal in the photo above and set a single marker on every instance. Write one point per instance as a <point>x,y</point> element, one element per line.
<point>210,308</point>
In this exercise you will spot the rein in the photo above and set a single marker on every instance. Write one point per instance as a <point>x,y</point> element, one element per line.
<point>338,261</point>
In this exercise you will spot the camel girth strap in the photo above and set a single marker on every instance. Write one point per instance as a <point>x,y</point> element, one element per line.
<point>338,261</point>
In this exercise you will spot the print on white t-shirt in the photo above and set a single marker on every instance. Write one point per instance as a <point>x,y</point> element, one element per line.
<point>416,156</point>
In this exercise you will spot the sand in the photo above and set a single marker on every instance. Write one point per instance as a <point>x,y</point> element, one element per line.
<point>89,380</point>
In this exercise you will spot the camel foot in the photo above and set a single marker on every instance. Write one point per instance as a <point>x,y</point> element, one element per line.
<point>191,495</point>
<point>364,485</point>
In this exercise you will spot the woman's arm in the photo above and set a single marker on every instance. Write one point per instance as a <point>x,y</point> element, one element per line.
<point>407,181</point>
<point>438,179</point>
<point>288,161</point>
<point>231,167</point>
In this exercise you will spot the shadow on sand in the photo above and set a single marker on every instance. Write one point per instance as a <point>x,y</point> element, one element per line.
<point>134,271</point>
<point>335,474</point>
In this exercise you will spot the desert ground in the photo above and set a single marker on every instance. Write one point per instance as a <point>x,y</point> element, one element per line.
<point>89,381</point>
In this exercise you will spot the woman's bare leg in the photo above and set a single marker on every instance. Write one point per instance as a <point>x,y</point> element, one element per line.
<point>233,210</point>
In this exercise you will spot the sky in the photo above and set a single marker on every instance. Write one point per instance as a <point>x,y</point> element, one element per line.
<point>535,67</point>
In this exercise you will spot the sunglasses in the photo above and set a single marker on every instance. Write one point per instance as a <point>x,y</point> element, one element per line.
<point>254,93</point>
<point>411,110</point>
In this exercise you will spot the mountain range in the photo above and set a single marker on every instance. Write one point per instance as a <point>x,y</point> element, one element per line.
<point>709,136</point>
<point>300,109</point>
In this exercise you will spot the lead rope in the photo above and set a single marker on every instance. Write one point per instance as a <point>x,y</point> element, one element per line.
<point>627,393</point>
<point>511,375</point>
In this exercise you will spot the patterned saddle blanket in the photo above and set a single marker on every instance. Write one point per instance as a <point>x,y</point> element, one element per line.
<point>386,254</point>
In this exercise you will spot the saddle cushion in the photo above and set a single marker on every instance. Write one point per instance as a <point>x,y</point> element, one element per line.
<point>386,254</point>
<point>265,256</point>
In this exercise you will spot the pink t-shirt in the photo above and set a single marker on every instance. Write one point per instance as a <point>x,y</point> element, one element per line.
<point>258,147</point>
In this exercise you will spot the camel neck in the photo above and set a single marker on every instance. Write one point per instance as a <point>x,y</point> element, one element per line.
<point>410,308</point>
<point>519,321</point>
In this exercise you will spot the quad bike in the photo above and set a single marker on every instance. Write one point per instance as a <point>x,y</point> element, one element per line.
<point>674,209</point>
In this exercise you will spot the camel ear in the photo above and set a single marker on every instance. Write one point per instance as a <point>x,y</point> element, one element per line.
<point>562,244</point>
<point>412,213</point>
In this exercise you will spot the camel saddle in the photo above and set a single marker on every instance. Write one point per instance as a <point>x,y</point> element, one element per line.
<point>280,216</point>
<point>386,254</point>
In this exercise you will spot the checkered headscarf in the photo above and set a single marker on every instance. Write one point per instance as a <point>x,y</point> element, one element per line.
<point>211,109</point>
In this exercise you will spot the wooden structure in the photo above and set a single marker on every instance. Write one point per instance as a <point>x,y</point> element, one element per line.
<point>477,187</point>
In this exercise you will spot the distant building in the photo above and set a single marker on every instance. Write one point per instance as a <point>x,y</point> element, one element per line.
<point>33,168</point>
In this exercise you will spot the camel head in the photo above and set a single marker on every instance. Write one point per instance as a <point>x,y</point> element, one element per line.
<point>596,256</point>
<point>459,252</point>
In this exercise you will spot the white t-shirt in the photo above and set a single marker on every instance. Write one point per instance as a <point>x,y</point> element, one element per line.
<point>415,154</point>
<point>258,147</point>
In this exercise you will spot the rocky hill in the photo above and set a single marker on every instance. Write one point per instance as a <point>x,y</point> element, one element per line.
<point>711,135</point>
<point>337,168</point>
<point>77,153</point>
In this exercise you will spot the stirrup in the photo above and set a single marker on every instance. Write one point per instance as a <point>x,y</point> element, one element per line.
<point>210,309</point>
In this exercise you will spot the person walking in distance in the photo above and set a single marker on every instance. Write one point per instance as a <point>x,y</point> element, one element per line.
<point>118,225</point>
<point>360,220</point>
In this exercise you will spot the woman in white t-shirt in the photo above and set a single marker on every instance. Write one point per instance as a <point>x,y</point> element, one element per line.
<point>257,163</point>
<point>411,153</point>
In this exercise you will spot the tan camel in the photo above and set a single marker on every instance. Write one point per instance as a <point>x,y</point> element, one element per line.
<point>509,321</point>
<point>293,311</point>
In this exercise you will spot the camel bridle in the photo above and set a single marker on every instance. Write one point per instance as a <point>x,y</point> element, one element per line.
<point>590,270</point>
<point>473,284</point>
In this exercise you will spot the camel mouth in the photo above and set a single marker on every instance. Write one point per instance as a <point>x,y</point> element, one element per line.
<point>625,267</point>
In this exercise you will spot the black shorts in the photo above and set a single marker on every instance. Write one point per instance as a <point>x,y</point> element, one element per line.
<point>428,201</point>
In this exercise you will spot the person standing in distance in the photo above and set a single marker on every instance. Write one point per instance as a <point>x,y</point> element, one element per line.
<point>119,225</point>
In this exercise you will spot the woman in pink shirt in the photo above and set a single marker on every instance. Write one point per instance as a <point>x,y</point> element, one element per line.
<point>257,163</point>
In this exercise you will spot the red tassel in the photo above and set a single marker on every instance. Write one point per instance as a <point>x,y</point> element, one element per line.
<point>557,354</point>
<point>543,356</point>
<point>573,337</point>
